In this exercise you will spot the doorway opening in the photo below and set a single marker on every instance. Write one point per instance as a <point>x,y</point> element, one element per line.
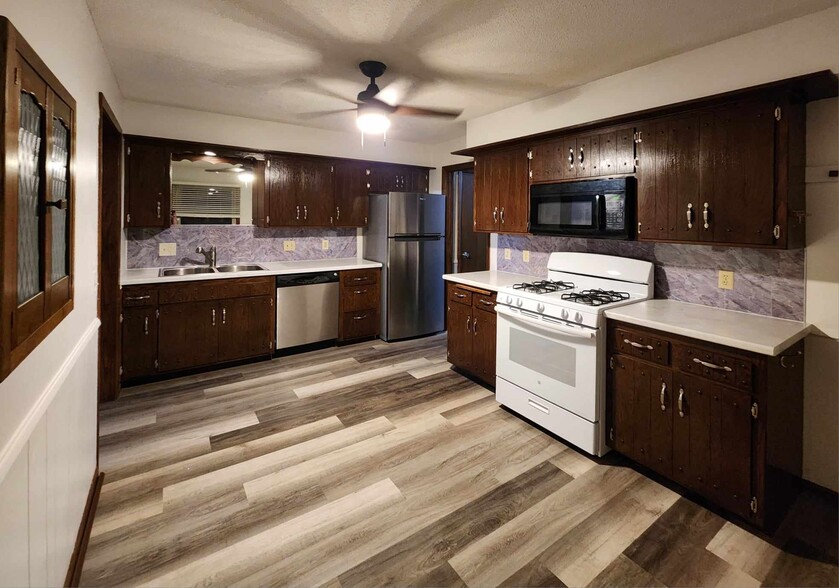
<point>466,250</point>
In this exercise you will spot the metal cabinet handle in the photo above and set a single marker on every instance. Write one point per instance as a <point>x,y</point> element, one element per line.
<point>223,315</point>
<point>214,317</point>
<point>713,366</point>
<point>495,215</point>
<point>146,297</point>
<point>570,159</point>
<point>486,303</point>
<point>468,321</point>
<point>459,295</point>
<point>661,395</point>
<point>582,156</point>
<point>502,215</point>
<point>705,214</point>
<point>689,214</point>
<point>298,213</point>
<point>360,317</point>
<point>681,402</point>
<point>146,326</point>
<point>158,209</point>
<point>638,345</point>
<point>359,292</point>
<point>358,279</point>
<point>475,326</point>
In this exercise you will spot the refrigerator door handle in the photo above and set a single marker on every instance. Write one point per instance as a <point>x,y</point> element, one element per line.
<point>408,237</point>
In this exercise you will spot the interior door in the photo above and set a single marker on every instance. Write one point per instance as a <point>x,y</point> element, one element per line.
<point>188,335</point>
<point>471,249</point>
<point>415,286</point>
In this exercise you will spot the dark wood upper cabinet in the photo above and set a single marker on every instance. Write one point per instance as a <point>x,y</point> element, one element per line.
<point>501,202</point>
<point>283,209</point>
<point>37,211</point>
<point>351,194</point>
<point>148,184</point>
<point>314,191</point>
<point>386,177</point>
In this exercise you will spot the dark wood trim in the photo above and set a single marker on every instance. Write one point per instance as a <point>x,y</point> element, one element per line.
<point>108,254</point>
<point>74,571</point>
<point>805,88</point>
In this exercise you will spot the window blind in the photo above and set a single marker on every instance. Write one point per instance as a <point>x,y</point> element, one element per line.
<point>206,200</point>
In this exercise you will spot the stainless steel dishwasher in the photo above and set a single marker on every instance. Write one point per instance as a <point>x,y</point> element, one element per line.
<point>307,308</point>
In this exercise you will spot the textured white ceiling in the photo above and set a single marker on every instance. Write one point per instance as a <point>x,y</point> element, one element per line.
<point>283,60</point>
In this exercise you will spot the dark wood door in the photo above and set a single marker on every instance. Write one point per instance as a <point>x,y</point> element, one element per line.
<point>625,150</point>
<point>583,155</point>
<point>459,327</point>
<point>147,185</point>
<point>485,208</point>
<point>510,190</point>
<point>139,342</point>
<point>314,191</point>
<point>483,346</point>
<point>351,195</point>
<point>245,327</point>
<point>646,190</point>
<point>661,403</point>
<point>623,398</point>
<point>546,161</point>
<point>692,433</point>
<point>608,154</point>
<point>737,175</point>
<point>680,180</point>
<point>188,335</point>
<point>472,247</point>
<point>568,159</point>
<point>283,209</point>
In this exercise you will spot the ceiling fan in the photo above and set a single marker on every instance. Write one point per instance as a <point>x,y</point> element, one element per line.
<point>374,113</point>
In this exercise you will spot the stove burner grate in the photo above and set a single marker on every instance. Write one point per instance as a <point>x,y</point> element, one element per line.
<point>544,286</point>
<point>596,297</point>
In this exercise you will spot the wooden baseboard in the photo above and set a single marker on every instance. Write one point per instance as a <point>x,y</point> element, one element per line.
<point>74,572</point>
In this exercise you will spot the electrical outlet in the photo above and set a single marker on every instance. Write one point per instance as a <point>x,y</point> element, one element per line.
<point>525,256</point>
<point>289,246</point>
<point>324,244</point>
<point>508,254</point>
<point>726,280</point>
<point>167,249</point>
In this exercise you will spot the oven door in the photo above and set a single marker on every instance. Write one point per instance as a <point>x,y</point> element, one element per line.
<point>565,214</point>
<point>553,360</point>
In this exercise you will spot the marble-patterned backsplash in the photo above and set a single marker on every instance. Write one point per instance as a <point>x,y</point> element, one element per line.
<point>766,281</point>
<point>236,244</point>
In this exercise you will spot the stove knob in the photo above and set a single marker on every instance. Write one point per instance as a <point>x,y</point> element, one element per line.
<point>509,299</point>
<point>564,313</point>
<point>578,317</point>
<point>540,307</point>
<point>519,302</point>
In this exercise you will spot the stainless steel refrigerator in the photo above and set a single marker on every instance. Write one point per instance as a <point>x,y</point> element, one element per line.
<point>406,233</point>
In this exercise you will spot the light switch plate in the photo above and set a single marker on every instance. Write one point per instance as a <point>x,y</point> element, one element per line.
<point>525,256</point>
<point>167,249</point>
<point>324,244</point>
<point>507,253</point>
<point>726,281</point>
<point>289,246</point>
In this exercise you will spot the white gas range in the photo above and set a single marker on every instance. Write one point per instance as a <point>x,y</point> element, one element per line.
<point>551,342</point>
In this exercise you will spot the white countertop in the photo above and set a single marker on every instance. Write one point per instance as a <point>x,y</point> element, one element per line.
<point>489,280</point>
<point>272,268</point>
<point>742,330</point>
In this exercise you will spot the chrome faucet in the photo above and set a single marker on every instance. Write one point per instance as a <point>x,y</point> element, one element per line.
<point>209,255</point>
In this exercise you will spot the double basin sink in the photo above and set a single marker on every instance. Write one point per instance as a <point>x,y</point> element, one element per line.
<point>191,271</point>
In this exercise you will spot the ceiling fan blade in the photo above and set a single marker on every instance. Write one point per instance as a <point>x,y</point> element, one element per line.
<point>397,91</point>
<point>320,113</point>
<point>415,111</point>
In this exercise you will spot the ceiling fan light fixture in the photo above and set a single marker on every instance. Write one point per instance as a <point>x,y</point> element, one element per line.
<point>372,122</point>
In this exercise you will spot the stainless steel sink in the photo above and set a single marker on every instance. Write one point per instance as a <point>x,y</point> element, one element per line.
<point>244,267</point>
<point>185,271</point>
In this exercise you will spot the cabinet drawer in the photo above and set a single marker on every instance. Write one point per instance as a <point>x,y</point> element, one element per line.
<point>484,302</point>
<point>643,346</point>
<point>720,367</point>
<point>359,277</point>
<point>216,290</point>
<point>460,295</point>
<point>139,296</point>
<point>359,324</point>
<point>364,297</point>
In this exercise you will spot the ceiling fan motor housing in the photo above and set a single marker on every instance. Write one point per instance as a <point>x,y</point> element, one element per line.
<point>371,69</point>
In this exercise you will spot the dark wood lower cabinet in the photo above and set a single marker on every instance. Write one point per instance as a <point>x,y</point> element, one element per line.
<point>359,303</point>
<point>471,324</point>
<point>139,341</point>
<point>242,331</point>
<point>731,432</point>
<point>188,335</point>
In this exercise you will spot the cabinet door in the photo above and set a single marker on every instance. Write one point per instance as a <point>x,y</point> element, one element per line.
<point>485,208</point>
<point>245,327</point>
<point>416,181</point>
<point>661,402</point>
<point>608,154</point>
<point>459,327</point>
<point>283,209</point>
<point>731,449</point>
<point>625,151</point>
<point>351,196</point>
<point>510,190</point>
<point>680,181</point>
<point>692,433</point>
<point>483,347</point>
<point>648,227</point>
<point>622,429</point>
<point>188,335</point>
<point>546,161</point>
<point>568,158</point>
<point>738,174</point>
<point>314,191</point>
<point>583,155</point>
<point>147,185</point>
<point>139,341</point>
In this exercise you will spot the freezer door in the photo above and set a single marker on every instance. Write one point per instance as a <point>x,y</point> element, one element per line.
<point>416,214</point>
<point>415,292</point>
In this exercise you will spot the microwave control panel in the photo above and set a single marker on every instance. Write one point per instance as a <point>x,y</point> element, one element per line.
<point>615,211</point>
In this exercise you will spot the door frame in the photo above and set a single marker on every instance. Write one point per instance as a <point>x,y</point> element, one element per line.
<point>447,184</point>
<point>108,256</point>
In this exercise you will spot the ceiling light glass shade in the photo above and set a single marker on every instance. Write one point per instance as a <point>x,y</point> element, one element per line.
<point>372,122</point>
<point>246,177</point>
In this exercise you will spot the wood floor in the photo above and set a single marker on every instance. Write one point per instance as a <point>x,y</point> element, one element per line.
<point>375,465</point>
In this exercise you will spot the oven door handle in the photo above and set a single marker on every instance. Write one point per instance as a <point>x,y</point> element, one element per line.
<point>546,324</point>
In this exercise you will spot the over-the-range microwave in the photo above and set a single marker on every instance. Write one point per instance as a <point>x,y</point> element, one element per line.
<point>602,209</point>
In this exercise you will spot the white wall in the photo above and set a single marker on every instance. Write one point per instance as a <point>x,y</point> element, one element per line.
<point>796,47</point>
<point>48,404</point>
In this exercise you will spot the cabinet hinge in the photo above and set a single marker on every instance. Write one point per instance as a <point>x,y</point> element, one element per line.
<point>17,76</point>
<point>753,505</point>
<point>128,218</point>
<point>776,232</point>
<point>120,370</point>
<point>267,220</point>
<point>530,174</point>
<point>120,318</point>
<point>157,313</point>
<point>754,410</point>
<point>777,113</point>
<point>612,434</point>
<point>156,364</point>
<point>332,169</point>
<point>611,363</point>
<point>530,154</point>
<point>128,151</point>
